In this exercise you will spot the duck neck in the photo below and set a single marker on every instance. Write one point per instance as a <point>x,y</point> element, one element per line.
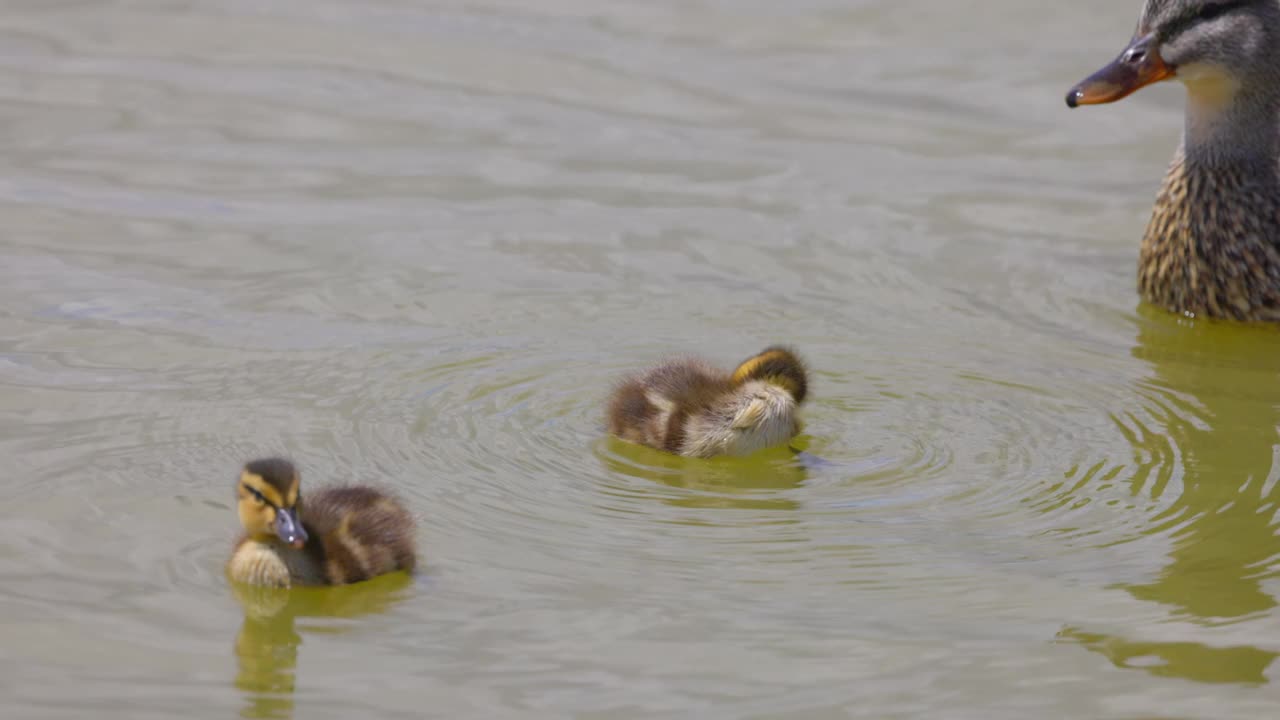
<point>1231,127</point>
<point>1212,246</point>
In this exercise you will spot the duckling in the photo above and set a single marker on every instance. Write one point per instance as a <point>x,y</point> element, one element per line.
<point>339,535</point>
<point>688,407</point>
<point>1212,246</point>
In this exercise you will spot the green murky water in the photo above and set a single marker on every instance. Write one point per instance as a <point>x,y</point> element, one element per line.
<point>415,242</point>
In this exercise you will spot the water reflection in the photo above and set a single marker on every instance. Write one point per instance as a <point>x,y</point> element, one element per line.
<point>267,646</point>
<point>750,483</point>
<point>1193,661</point>
<point>1219,399</point>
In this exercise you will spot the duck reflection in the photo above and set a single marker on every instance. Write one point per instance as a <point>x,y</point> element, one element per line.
<point>1220,384</point>
<point>267,646</point>
<point>1192,661</point>
<point>743,483</point>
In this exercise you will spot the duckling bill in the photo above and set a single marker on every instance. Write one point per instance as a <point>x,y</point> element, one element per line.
<point>339,535</point>
<point>689,407</point>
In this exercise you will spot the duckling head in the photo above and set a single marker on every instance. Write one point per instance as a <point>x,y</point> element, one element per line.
<point>267,501</point>
<point>1222,50</point>
<point>776,366</point>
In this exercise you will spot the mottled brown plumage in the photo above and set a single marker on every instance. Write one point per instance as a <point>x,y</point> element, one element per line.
<point>689,407</point>
<point>1212,247</point>
<point>338,535</point>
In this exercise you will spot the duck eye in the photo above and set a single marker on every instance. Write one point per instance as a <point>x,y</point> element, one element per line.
<point>1209,12</point>
<point>256,495</point>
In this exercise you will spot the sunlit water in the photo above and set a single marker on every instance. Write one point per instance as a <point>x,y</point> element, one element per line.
<point>414,243</point>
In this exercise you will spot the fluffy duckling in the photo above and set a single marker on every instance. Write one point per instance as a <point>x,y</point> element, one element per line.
<point>1212,246</point>
<point>339,535</point>
<point>689,407</point>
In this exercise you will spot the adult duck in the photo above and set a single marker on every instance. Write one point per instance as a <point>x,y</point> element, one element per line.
<point>1212,246</point>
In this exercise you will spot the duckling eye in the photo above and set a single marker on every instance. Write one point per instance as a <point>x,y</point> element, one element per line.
<point>257,496</point>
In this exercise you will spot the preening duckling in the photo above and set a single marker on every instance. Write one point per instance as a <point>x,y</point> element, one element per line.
<point>689,407</point>
<point>339,535</point>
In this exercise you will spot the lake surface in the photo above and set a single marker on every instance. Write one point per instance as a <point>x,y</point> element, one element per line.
<point>414,243</point>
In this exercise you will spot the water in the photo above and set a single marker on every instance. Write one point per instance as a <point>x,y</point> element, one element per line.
<point>415,242</point>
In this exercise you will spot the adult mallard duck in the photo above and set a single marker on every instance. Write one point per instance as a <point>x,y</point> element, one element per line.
<point>689,407</point>
<point>340,535</point>
<point>1212,247</point>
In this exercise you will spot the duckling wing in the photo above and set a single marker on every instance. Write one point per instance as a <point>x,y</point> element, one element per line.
<point>752,415</point>
<point>685,381</point>
<point>652,409</point>
<point>363,532</point>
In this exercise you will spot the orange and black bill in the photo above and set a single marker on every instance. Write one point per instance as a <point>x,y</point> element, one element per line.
<point>1137,67</point>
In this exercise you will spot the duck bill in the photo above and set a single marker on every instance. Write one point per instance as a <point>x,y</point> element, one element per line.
<point>1138,66</point>
<point>289,528</point>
